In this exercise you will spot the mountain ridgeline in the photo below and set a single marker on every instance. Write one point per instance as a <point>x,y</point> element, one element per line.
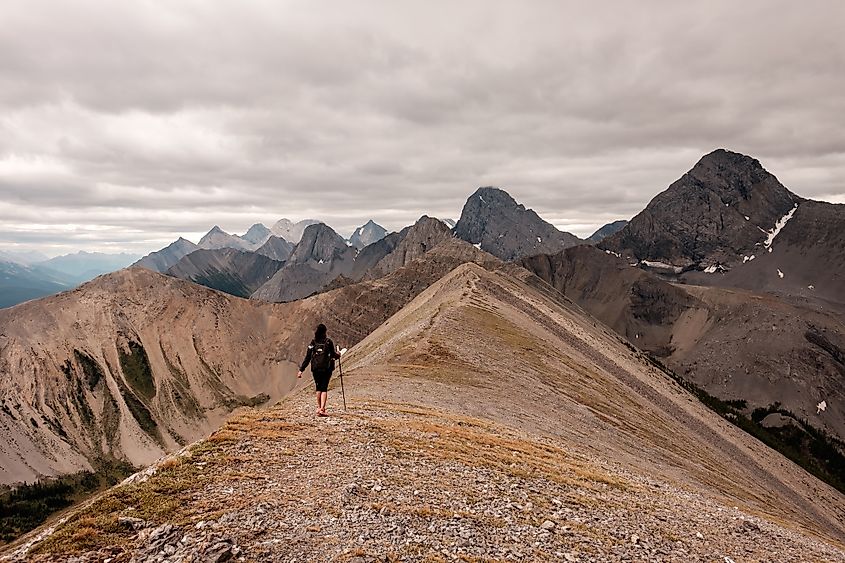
<point>587,450</point>
<point>696,351</point>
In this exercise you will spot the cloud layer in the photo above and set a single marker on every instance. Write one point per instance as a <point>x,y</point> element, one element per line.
<point>126,124</point>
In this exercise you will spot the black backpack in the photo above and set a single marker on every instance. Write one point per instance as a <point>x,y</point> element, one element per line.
<point>321,356</point>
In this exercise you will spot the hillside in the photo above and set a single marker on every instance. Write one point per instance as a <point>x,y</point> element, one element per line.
<point>545,439</point>
<point>233,271</point>
<point>162,260</point>
<point>135,364</point>
<point>735,344</point>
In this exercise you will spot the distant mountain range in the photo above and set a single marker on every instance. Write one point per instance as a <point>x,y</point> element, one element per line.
<point>22,282</point>
<point>25,276</point>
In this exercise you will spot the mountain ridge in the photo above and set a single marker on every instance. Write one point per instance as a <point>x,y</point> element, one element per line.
<point>411,454</point>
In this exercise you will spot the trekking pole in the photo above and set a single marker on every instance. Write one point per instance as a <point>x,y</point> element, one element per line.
<point>340,365</point>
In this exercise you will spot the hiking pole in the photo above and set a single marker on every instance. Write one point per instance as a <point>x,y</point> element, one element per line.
<point>340,365</point>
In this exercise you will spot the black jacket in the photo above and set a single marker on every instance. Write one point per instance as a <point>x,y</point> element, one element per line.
<point>307,360</point>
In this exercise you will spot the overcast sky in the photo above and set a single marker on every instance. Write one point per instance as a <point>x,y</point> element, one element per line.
<point>124,125</point>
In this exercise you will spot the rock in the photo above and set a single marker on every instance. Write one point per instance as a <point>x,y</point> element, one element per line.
<point>222,551</point>
<point>547,525</point>
<point>130,522</point>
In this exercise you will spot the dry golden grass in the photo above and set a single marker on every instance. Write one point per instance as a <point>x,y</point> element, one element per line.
<point>166,496</point>
<point>476,442</point>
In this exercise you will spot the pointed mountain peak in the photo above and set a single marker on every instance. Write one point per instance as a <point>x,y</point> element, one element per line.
<point>490,195</point>
<point>319,242</point>
<point>718,212</point>
<point>367,234</point>
<point>290,231</point>
<point>257,235</point>
<point>494,220</point>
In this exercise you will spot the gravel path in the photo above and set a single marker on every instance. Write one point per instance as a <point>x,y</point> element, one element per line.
<point>403,483</point>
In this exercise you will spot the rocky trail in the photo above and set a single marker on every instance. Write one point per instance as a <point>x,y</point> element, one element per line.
<point>399,482</point>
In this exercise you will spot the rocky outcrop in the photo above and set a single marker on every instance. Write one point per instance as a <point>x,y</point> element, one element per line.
<point>276,248</point>
<point>416,240</point>
<point>162,260</point>
<point>499,225</point>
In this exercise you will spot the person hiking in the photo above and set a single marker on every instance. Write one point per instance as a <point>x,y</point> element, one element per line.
<point>321,355</point>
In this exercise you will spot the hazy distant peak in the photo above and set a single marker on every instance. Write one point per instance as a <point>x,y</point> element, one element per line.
<point>290,231</point>
<point>367,234</point>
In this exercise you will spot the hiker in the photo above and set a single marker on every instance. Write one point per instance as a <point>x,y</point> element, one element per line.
<point>321,355</point>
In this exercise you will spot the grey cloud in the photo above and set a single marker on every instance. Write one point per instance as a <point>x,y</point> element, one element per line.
<point>169,118</point>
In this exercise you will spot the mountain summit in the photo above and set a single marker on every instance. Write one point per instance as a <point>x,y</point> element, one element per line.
<point>367,234</point>
<point>162,260</point>
<point>721,212</point>
<point>492,219</point>
<point>290,231</point>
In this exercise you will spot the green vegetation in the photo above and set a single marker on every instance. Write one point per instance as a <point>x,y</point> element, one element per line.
<point>111,417</point>
<point>232,403</point>
<point>225,282</point>
<point>90,369</point>
<point>181,389</point>
<point>26,507</point>
<point>136,368</point>
<point>811,448</point>
<point>141,413</point>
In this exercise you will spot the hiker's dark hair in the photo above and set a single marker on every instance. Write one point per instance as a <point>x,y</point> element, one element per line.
<point>320,333</point>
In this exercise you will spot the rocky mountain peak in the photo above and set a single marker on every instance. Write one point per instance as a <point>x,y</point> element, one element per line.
<point>290,231</point>
<point>416,240</point>
<point>276,248</point>
<point>367,234</point>
<point>606,231</point>
<point>164,259</point>
<point>718,213</point>
<point>492,219</point>
<point>257,234</point>
<point>319,242</point>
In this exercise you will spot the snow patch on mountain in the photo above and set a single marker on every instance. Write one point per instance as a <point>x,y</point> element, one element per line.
<point>779,227</point>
